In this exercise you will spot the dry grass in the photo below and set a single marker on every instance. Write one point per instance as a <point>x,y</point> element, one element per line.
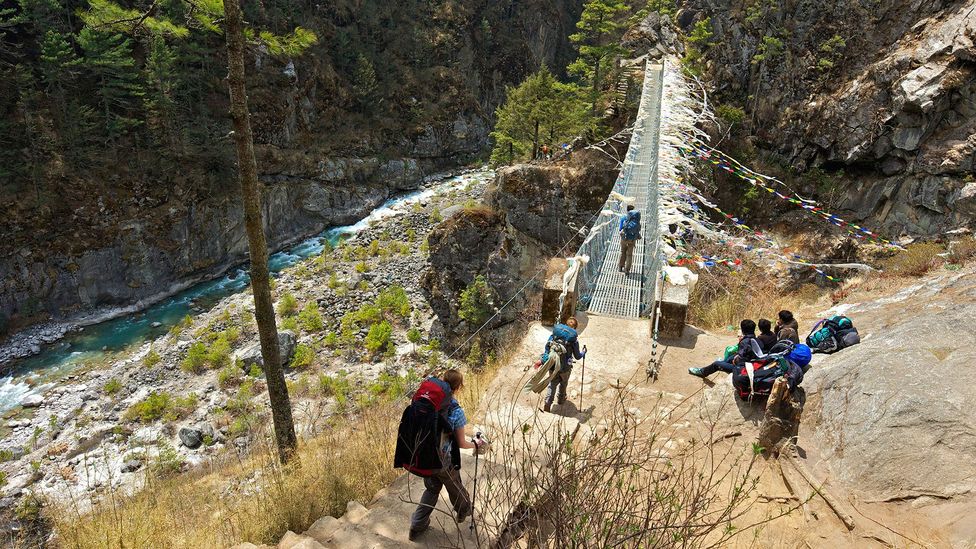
<point>915,260</point>
<point>254,499</point>
<point>723,298</point>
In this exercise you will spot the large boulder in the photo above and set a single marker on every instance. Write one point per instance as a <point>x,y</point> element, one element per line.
<point>894,416</point>
<point>477,242</point>
<point>251,354</point>
<point>553,202</point>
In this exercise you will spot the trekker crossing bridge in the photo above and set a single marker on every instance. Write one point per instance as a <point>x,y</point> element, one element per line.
<point>602,288</point>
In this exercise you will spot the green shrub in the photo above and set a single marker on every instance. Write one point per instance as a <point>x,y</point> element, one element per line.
<point>435,216</point>
<point>180,407</point>
<point>287,305</point>
<point>148,409</point>
<point>303,357</point>
<point>425,247</point>
<point>333,281</point>
<point>411,235</point>
<point>394,301</point>
<point>374,248</point>
<point>112,386</point>
<point>290,323</point>
<point>331,340</point>
<point>476,302</point>
<point>218,355</point>
<point>730,114</point>
<point>255,371</point>
<point>414,336</point>
<point>362,267</point>
<point>475,358</point>
<point>378,337</point>
<point>240,403</point>
<point>152,358</point>
<point>178,328</point>
<point>167,462</point>
<point>229,375</point>
<point>196,358</point>
<point>310,318</point>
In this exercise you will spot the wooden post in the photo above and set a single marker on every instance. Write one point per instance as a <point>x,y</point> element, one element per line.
<point>782,417</point>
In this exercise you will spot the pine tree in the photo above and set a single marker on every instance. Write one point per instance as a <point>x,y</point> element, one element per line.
<point>599,28</point>
<point>541,109</point>
<point>108,57</point>
<point>60,68</point>
<point>365,84</point>
<point>161,75</point>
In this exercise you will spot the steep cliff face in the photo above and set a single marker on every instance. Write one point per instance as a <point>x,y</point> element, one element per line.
<point>330,147</point>
<point>885,91</point>
<point>533,212</point>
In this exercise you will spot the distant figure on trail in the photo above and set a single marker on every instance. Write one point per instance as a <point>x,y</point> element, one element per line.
<point>557,363</point>
<point>766,336</point>
<point>429,441</point>
<point>787,327</point>
<point>748,349</point>
<point>545,152</point>
<point>630,227</point>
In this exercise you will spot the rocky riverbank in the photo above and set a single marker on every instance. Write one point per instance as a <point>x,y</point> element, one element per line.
<point>355,327</point>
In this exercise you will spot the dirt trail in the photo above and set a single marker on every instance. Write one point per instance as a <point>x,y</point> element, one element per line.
<point>618,351</point>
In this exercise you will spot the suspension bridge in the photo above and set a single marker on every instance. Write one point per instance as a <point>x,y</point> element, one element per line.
<point>603,288</point>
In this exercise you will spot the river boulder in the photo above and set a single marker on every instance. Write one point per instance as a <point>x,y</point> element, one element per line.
<point>251,354</point>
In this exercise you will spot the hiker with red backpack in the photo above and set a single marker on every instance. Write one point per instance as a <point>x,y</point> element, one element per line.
<point>429,443</point>
<point>748,349</point>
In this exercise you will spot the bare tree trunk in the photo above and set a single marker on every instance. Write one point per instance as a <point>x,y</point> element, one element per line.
<point>535,141</point>
<point>284,427</point>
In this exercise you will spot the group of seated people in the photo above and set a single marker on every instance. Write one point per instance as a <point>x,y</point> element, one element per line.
<point>778,349</point>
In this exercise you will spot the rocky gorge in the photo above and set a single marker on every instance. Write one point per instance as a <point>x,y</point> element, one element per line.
<point>159,223</point>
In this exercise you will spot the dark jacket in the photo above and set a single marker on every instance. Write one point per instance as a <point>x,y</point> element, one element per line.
<point>767,340</point>
<point>790,331</point>
<point>745,352</point>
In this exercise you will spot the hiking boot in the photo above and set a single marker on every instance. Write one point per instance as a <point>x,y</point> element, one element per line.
<point>547,408</point>
<point>463,515</point>
<point>415,532</point>
<point>697,372</point>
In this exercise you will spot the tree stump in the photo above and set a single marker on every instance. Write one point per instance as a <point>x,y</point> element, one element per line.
<point>782,419</point>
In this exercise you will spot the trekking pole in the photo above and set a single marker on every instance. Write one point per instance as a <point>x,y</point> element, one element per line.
<point>474,489</point>
<point>582,375</point>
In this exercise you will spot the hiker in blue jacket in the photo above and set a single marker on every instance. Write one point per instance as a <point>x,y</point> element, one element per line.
<point>566,335</point>
<point>630,227</point>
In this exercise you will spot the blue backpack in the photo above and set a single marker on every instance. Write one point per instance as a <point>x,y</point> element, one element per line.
<point>632,226</point>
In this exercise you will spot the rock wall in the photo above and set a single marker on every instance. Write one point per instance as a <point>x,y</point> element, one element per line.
<point>893,416</point>
<point>885,92</point>
<point>143,227</point>
<point>155,255</point>
<point>533,212</point>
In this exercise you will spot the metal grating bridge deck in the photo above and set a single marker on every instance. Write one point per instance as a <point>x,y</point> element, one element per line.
<point>612,293</point>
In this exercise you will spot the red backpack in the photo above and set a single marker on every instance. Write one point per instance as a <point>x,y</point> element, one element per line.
<point>424,421</point>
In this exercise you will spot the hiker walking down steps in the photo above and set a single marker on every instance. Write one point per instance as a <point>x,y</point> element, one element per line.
<point>630,227</point>
<point>557,363</point>
<point>429,443</point>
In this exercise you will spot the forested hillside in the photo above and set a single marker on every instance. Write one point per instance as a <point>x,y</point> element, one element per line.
<point>108,127</point>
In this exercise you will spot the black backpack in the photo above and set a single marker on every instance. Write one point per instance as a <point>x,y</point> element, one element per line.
<point>422,425</point>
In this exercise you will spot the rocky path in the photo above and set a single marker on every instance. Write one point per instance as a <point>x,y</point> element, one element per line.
<point>792,510</point>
